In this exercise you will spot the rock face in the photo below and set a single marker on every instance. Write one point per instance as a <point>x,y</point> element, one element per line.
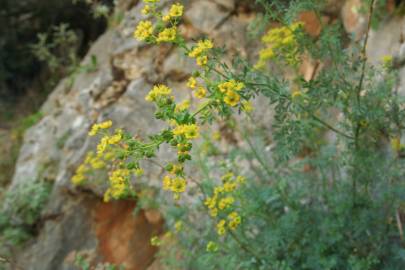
<point>77,220</point>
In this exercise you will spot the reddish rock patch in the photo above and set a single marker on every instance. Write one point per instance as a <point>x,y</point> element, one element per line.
<point>123,238</point>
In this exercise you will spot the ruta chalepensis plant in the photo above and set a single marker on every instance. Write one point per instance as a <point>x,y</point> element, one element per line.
<point>323,190</point>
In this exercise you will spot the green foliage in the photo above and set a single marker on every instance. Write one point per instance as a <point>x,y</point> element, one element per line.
<point>324,190</point>
<point>20,210</point>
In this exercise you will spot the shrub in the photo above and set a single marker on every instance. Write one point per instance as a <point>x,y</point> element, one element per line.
<point>302,201</point>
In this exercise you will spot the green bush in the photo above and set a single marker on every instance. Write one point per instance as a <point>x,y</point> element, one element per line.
<point>323,190</point>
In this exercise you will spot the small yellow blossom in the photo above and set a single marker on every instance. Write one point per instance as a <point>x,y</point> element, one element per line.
<point>202,60</point>
<point>189,131</point>
<point>231,98</point>
<point>78,179</point>
<point>192,82</point>
<point>143,30</point>
<point>166,18</point>
<point>167,182</point>
<point>97,163</point>
<point>225,203</point>
<point>231,85</point>
<point>184,105</point>
<point>106,124</point>
<point>221,227</point>
<point>102,145</point>
<point>201,92</point>
<point>178,185</point>
<point>146,10</point>
<point>158,91</point>
<point>167,35</point>
<point>176,10</point>
<point>235,220</point>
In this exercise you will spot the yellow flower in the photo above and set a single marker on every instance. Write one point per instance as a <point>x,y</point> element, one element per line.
<point>97,163</point>
<point>235,220</point>
<point>168,34</point>
<point>211,202</point>
<point>183,106</point>
<point>230,85</point>
<point>212,246</point>
<point>176,10</point>
<point>143,30</point>
<point>231,98</point>
<point>178,185</point>
<point>221,227</point>
<point>202,60</point>
<point>192,82</point>
<point>102,145</point>
<point>227,177</point>
<point>166,18</point>
<point>146,10</point>
<point>105,125</point>
<point>247,106</point>
<point>189,131</point>
<point>214,212</point>
<point>201,92</point>
<point>202,47</point>
<point>229,186</point>
<point>225,203</point>
<point>167,183</point>
<point>205,44</point>
<point>94,130</point>
<point>115,138</point>
<point>151,1</point>
<point>158,91</point>
<point>78,179</point>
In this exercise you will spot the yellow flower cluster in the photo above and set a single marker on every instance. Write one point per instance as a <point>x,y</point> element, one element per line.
<point>119,184</point>
<point>176,184</point>
<point>176,10</point>
<point>182,106</point>
<point>96,127</point>
<point>230,89</point>
<point>280,41</point>
<point>200,91</point>
<point>167,35</point>
<point>223,200</point>
<point>200,51</point>
<point>158,91</point>
<point>91,162</point>
<point>190,131</point>
<point>143,30</point>
<point>109,140</point>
